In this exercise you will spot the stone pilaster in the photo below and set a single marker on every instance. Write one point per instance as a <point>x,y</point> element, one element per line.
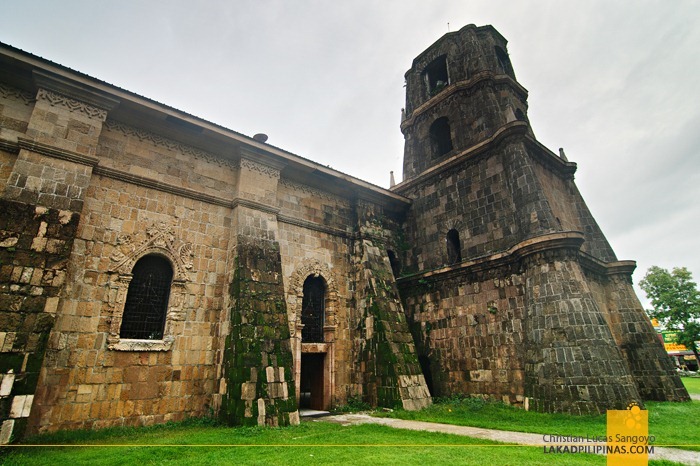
<point>40,207</point>
<point>257,386</point>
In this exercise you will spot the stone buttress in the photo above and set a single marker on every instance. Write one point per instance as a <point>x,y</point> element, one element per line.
<point>389,365</point>
<point>257,385</point>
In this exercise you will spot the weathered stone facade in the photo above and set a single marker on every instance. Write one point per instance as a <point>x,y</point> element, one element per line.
<point>293,284</point>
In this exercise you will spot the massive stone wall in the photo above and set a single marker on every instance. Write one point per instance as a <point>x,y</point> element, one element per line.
<point>646,359</point>
<point>535,310</point>
<point>474,200</point>
<point>92,378</point>
<point>568,207</point>
<point>469,330</point>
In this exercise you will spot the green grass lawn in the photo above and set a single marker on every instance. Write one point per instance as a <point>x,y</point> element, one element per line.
<point>672,423</point>
<point>313,442</point>
<point>692,384</point>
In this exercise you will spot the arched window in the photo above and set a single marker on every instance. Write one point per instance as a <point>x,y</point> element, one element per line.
<point>147,299</point>
<point>313,310</point>
<point>454,249</point>
<point>440,137</point>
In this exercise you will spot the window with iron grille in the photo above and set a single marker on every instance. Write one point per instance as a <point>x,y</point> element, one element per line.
<point>313,310</point>
<point>147,299</point>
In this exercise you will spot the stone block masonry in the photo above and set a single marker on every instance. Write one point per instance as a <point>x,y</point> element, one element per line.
<point>391,372</point>
<point>35,243</point>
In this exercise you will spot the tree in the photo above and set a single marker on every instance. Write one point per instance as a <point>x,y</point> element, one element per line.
<point>676,302</point>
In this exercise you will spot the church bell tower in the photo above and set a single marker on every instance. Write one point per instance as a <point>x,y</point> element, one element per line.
<point>458,92</point>
<point>511,288</point>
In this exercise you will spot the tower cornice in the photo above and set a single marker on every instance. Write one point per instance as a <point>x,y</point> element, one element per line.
<point>460,86</point>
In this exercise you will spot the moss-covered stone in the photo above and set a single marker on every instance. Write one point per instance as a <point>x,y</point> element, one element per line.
<point>259,339</point>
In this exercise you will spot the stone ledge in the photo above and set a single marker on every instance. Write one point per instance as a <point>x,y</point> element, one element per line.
<point>572,240</point>
<point>61,154</point>
<point>477,79</point>
<point>160,186</point>
<point>125,344</point>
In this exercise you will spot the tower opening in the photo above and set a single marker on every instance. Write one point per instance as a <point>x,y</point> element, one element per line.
<point>440,137</point>
<point>436,77</point>
<point>504,61</point>
<point>394,261</point>
<point>424,362</point>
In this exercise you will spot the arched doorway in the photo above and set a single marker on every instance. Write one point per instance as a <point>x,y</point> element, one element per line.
<point>313,374</point>
<point>312,305</point>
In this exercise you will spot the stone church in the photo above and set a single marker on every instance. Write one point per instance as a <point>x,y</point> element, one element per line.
<point>154,265</point>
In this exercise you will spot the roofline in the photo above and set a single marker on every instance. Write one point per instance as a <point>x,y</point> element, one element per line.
<point>121,94</point>
<point>453,34</point>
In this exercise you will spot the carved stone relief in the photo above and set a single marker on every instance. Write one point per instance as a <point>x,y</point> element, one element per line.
<point>160,239</point>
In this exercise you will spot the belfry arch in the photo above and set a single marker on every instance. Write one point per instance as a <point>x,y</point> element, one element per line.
<point>312,300</point>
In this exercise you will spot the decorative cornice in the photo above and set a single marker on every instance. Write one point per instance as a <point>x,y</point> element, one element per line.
<point>59,100</point>
<point>476,80</point>
<point>160,186</point>
<point>26,97</point>
<point>558,241</point>
<point>56,152</point>
<point>482,148</point>
<point>123,344</point>
<point>513,128</point>
<point>272,172</point>
<point>157,140</point>
<point>75,92</point>
<point>313,192</point>
<point>564,241</point>
<point>595,265</point>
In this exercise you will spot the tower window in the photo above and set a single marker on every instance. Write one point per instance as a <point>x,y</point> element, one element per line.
<point>454,248</point>
<point>147,299</point>
<point>435,74</point>
<point>313,310</point>
<point>503,61</point>
<point>440,137</point>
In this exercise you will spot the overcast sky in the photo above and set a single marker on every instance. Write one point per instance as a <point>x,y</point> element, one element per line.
<point>617,84</point>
